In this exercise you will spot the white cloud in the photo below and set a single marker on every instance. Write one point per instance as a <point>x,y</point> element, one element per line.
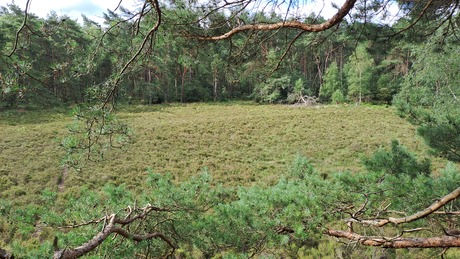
<point>324,8</point>
<point>328,8</point>
<point>299,8</point>
<point>73,8</point>
<point>93,9</point>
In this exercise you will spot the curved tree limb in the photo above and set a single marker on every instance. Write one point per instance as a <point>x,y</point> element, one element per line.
<point>113,228</point>
<point>336,19</point>
<point>412,24</point>
<point>90,245</point>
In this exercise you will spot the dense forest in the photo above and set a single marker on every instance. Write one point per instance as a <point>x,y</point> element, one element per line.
<point>165,54</point>
<point>59,61</point>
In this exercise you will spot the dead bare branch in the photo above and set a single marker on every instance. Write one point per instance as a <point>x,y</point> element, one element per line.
<point>146,210</point>
<point>454,213</point>
<point>398,242</point>
<point>421,214</point>
<point>413,242</point>
<point>413,230</point>
<point>287,50</point>
<point>118,6</point>
<point>451,238</point>
<point>97,221</point>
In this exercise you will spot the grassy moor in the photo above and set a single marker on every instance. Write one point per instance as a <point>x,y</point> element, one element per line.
<point>239,143</point>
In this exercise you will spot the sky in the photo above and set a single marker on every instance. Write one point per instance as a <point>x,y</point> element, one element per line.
<point>94,9</point>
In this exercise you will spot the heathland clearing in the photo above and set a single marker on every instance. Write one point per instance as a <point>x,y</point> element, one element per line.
<point>239,143</point>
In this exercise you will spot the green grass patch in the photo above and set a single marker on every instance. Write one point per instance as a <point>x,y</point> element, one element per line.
<point>240,144</point>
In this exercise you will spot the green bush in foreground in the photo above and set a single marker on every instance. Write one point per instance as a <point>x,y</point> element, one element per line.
<point>202,219</point>
<point>397,161</point>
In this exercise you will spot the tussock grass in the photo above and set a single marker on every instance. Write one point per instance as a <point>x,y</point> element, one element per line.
<point>240,144</point>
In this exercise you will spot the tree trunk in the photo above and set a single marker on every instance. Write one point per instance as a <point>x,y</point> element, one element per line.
<point>182,91</point>
<point>215,85</point>
<point>175,87</point>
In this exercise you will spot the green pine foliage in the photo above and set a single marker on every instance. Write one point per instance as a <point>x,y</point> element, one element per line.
<point>359,74</point>
<point>429,96</point>
<point>332,83</point>
<point>338,97</point>
<point>205,220</point>
<point>272,90</point>
<point>443,138</point>
<point>397,161</point>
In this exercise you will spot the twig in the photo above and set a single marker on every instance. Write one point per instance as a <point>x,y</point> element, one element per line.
<point>24,22</point>
<point>111,94</point>
<point>287,50</point>
<point>97,221</point>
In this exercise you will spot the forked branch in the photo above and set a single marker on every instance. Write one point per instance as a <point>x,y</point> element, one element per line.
<point>115,226</point>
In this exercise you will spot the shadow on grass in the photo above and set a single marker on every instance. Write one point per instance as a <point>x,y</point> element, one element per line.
<point>130,108</point>
<point>24,116</point>
<point>140,108</point>
<point>33,115</point>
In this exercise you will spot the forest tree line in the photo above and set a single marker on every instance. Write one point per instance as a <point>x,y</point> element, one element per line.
<point>61,61</point>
